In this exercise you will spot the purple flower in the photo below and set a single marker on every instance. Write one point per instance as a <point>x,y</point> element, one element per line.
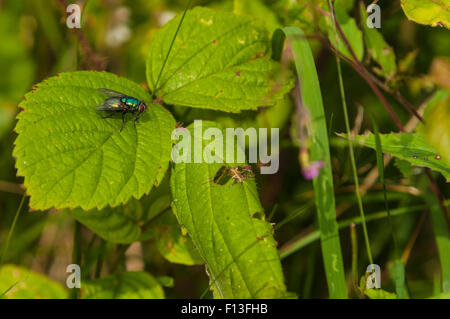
<point>312,170</point>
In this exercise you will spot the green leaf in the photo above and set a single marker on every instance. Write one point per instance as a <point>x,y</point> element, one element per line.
<point>130,285</point>
<point>71,156</point>
<point>351,31</point>
<point>379,294</point>
<point>112,224</point>
<point>408,146</point>
<point>374,293</point>
<point>222,220</point>
<point>218,61</point>
<point>378,48</point>
<point>431,12</point>
<point>171,243</point>
<point>20,283</point>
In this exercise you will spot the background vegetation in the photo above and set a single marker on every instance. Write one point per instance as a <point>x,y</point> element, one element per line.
<point>371,106</point>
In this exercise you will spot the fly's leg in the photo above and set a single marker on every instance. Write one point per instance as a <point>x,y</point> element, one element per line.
<point>136,118</point>
<point>234,183</point>
<point>123,120</point>
<point>216,181</point>
<point>108,116</point>
<point>208,180</point>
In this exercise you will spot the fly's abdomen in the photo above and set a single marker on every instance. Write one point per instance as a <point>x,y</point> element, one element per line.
<point>112,104</point>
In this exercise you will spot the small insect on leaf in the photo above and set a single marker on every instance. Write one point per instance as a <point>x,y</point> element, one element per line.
<point>221,177</point>
<point>238,173</point>
<point>120,103</point>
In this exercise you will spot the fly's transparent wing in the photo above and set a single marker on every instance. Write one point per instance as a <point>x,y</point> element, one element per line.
<point>110,93</point>
<point>111,104</point>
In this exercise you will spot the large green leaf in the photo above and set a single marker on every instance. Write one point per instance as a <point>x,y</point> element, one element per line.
<point>222,220</point>
<point>130,285</point>
<point>431,12</point>
<point>411,147</point>
<point>71,156</point>
<point>218,61</point>
<point>20,283</point>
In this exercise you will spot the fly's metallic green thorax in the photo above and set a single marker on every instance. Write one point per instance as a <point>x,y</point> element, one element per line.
<point>121,103</point>
<point>130,101</point>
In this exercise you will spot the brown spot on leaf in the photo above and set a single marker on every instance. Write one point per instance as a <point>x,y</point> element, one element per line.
<point>257,56</point>
<point>158,100</point>
<point>238,73</point>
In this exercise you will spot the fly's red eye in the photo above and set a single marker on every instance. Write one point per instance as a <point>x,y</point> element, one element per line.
<point>142,107</point>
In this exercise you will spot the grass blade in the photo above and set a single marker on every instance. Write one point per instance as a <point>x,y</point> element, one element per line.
<point>350,142</point>
<point>442,237</point>
<point>323,183</point>
<point>398,268</point>
<point>3,294</point>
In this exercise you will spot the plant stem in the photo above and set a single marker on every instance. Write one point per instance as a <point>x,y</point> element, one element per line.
<point>306,238</point>
<point>354,242</point>
<point>170,48</point>
<point>350,143</point>
<point>98,269</point>
<point>11,231</point>
<point>76,253</point>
